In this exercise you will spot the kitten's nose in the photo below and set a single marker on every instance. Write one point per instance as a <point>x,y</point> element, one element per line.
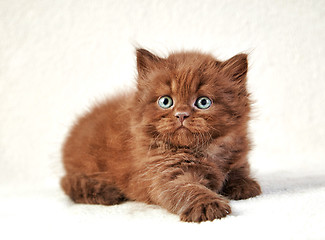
<point>181,116</point>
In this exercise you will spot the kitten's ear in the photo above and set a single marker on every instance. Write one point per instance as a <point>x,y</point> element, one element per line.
<point>236,67</point>
<point>146,61</point>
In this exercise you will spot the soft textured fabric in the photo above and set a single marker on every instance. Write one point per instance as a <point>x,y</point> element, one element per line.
<point>59,57</point>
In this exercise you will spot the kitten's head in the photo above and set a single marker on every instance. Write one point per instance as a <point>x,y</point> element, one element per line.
<point>190,98</point>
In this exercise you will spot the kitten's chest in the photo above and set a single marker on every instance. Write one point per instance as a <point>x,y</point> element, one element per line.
<point>224,154</point>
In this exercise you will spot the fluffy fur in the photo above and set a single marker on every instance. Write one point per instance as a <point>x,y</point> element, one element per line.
<point>129,148</point>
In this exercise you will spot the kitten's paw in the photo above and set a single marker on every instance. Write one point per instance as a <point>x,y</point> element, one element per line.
<point>241,189</point>
<point>205,210</point>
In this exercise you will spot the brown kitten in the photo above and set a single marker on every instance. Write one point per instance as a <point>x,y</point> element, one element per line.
<point>180,141</point>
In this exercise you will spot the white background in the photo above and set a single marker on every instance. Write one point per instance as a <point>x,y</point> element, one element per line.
<point>59,57</point>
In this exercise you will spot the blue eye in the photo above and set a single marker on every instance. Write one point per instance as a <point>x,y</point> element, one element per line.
<point>165,102</point>
<point>203,103</point>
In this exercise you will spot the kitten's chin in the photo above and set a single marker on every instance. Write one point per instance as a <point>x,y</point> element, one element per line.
<point>183,137</point>
<point>182,130</point>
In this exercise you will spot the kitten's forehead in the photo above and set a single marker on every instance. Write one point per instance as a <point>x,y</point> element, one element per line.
<point>189,73</point>
<point>185,82</point>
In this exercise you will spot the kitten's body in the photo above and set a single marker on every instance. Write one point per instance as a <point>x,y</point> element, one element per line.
<point>130,148</point>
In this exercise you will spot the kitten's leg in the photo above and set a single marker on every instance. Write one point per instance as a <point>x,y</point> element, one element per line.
<point>191,200</point>
<point>239,184</point>
<point>91,189</point>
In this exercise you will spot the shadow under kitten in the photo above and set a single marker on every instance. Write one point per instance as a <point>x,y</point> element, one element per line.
<point>290,182</point>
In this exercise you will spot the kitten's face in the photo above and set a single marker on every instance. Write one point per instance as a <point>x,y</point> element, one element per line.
<point>187,99</point>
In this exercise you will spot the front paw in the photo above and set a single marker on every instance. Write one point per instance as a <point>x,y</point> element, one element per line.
<point>241,189</point>
<point>206,210</point>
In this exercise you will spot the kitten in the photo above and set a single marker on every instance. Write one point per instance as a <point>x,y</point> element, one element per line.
<point>180,141</point>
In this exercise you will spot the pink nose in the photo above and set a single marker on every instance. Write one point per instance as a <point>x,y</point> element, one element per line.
<point>181,116</point>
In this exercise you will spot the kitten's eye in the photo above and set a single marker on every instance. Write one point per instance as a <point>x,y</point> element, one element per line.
<point>165,102</point>
<point>203,102</point>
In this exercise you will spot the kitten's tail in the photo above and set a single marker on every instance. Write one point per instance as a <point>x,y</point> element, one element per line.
<point>91,190</point>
